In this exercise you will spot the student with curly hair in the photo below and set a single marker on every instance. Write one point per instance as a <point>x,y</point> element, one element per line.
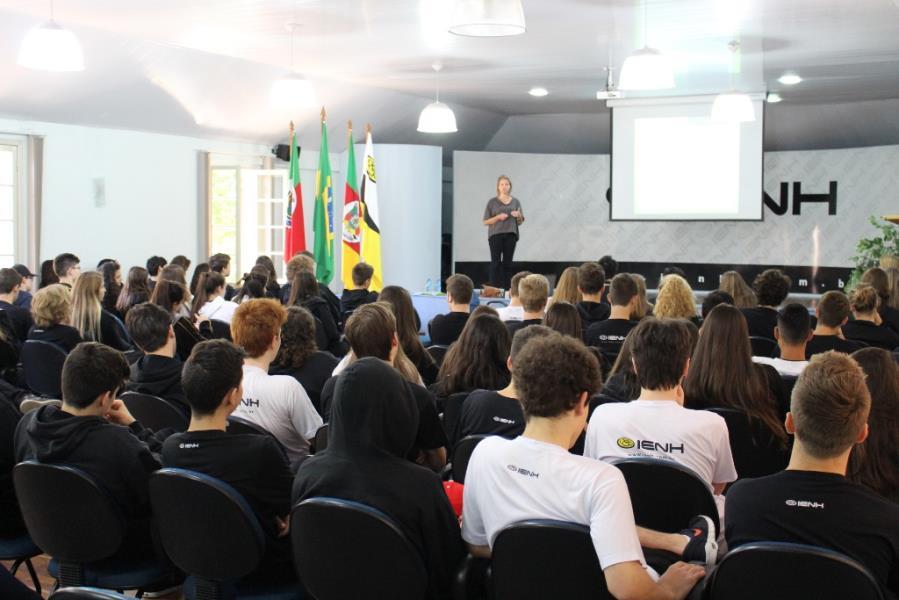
<point>299,356</point>
<point>771,287</point>
<point>675,300</point>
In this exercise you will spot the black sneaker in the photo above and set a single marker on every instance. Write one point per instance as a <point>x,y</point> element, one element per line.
<point>702,545</point>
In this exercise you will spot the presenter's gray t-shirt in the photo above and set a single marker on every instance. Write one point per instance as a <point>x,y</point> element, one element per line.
<point>494,207</point>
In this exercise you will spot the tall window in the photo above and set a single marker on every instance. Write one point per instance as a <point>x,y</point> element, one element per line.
<point>247,205</point>
<point>9,177</point>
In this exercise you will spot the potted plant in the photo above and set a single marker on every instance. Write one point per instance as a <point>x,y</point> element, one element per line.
<point>870,251</point>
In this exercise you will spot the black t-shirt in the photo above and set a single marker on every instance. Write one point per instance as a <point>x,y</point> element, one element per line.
<point>489,412</point>
<point>609,335</point>
<point>761,321</point>
<point>890,317</point>
<point>593,312</point>
<point>823,343</point>
<point>514,326</point>
<point>880,336</point>
<point>446,329</point>
<point>353,299</point>
<point>430,434</point>
<point>254,465</point>
<point>19,318</point>
<point>62,335</point>
<point>11,524</point>
<point>316,370</point>
<point>820,509</point>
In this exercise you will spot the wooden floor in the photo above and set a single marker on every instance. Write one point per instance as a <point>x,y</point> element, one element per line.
<point>47,582</point>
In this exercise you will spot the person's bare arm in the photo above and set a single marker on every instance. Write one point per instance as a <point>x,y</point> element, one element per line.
<point>718,488</point>
<point>629,580</point>
<point>497,218</point>
<point>478,551</point>
<point>435,459</point>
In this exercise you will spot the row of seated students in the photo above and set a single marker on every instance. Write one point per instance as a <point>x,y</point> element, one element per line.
<point>376,437</point>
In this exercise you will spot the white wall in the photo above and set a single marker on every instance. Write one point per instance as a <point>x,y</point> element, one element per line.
<point>563,197</point>
<point>152,198</point>
<point>153,202</point>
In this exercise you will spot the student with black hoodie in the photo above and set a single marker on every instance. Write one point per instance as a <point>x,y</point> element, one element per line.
<point>359,295</point>
<point>373,427</point>
<point>591,281</point>
<point>158,372</point>
<point>93,431</point>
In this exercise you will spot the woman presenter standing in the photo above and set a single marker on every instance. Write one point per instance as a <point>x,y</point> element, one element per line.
<point>502,217</point>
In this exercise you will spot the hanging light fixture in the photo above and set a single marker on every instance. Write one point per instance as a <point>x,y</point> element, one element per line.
<point>488,18</point>
<point>733,106</point>
<point>647,68</point>
<point>293,90</point>
<point>437,117</point>
<point>51,47</point>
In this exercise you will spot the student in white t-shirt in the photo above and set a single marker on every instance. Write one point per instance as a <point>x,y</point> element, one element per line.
<point>793,332</point>
<point>513,312</point>
<point>656,424</point>
<point>210,299</point>
<point>277,403</point>
<point>534,476</point>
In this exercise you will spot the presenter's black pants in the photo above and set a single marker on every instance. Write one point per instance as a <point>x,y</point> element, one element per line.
<point>502,249</point>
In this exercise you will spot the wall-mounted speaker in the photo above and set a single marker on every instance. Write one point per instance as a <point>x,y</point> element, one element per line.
<point>282,151</point>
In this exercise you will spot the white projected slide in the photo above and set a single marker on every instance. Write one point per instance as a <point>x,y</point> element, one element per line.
<point>670,161</point>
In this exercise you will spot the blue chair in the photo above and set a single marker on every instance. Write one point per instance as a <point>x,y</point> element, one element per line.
<point>86,593</point>
<point>320,442</point>
<point>42,366</point>
<point>154,412</point>
<point>210,532</point>
<point>542,558</point>
<point>344,549</point>
<point>462,454</point>
<point>777,570</point>
<point>76,522</point>
<point>666,495</point>
<point>21,550</point>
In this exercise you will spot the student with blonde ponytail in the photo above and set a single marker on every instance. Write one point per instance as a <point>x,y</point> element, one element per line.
<point>867,326</point>
<point>92,321</point>
<point>209,300</point>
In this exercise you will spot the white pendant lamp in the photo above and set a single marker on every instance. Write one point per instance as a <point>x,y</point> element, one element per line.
<point>733,106</point>
<point>488,18</point>
<point>647,68</point>
<point>50,47</point>
<point>293,90</point>
<point>437,117</point>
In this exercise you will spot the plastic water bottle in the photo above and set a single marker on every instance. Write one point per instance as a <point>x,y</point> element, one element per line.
<point>428,289</point>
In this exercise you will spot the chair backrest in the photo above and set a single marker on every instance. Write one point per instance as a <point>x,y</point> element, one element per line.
<point>86,593</point>
<point>239,425</point>
<point>42,363</point>
<point>67,513</point>
<point>782,570</point>
<point>462,454</point>
<point>452,413</point>
<point>666,495</point>
<point>763,346</point>
<point>321,438</point>
<point>206,527</point>
<point>380,560</point>
<point>220,329</point>
<point>540,558</point>
<point>756,452</point>
<point>438,352</point>
<point>154,412</point>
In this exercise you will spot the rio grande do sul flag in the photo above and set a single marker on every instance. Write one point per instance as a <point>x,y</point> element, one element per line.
<point>352,222</point>
<point>294,225</point>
